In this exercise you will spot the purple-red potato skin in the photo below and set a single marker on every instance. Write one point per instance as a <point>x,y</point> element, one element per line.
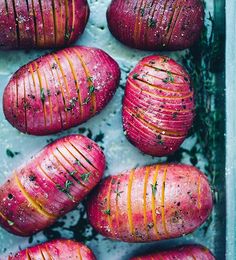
<point>41,23</point>
<point>158,106</point>
<point>50,185</point>
<point>60,249</point>
<point>181,253</point>
<point>60,90</point>
<point>151,203</point>
<point>156,25</point>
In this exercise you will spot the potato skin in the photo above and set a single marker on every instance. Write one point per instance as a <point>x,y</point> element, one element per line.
<point>41,23</point>
<point>156,25</point>
<point>151,203</point>
<point>158,106</point>
<point>184,252</point>
<point>60,90</point>
<point>57,249</point>
<point>50,185</point>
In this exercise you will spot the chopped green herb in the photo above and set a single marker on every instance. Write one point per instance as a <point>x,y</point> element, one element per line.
<point>68,184</point>
<point>66,189</point>
<point>154,188</point>
<point>91,89</point>
<point>166,80</point>
<point>99,137</point>
<point>85,176</point>
<point>86,100</point>
<point>90,79</point>
<point>72,173</point>
<point>10,223</point>
<point>170,76</point>
<point>77,162</point>
<point>82,130</point>
<point>142,11</point>
<point>152,23</point>
<point>42,95</point>
<point>50,140</point>
<point>67,36</point>
<point>72,104</point>
<point>10,153</point>
<point>135,76</point>
<point>107,212</point>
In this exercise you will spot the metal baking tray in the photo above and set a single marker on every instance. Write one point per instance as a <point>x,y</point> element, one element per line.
<point>205,147</point>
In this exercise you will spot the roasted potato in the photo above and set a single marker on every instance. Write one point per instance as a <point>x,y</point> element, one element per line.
<point>156,25</point>
<point>151,203</point>
<point>180,253</point>
<point>50,185</point>
<point>41,23</point>
<point>57,250</point>
<point>60,90</point>
<point>158,106</point>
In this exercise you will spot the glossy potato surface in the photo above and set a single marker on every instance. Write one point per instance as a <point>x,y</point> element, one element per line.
<point>158,106</point>
<point>156,25</point>
<point>60,90</point>
<point>151,203</point>
<point>51,184</point>
<point>41,23</point>
<point>181,253</point>
<point>57,250</point>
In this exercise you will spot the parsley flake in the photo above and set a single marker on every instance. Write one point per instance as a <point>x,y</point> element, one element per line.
<point>154,188</point>
<point>135,76</point>
<point>85,176</point>
<point>107,212</point>
<point>42,95</point>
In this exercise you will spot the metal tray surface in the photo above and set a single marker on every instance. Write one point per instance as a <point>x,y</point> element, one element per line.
<point>106,129</point>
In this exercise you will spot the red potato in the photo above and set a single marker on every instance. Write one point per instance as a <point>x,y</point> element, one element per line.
<point>50,185</point>
<point>41,23</point>
<point>151,203</point>
<point>158,107</point>
<point>156,25</point>
<point>57,249</point>
<point>181,253</point>
<point>60,90</point>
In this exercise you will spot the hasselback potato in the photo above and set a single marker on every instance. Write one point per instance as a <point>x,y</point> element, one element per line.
<point>59,249</point>
<point>151,203</point>
<point>156,25</point>
<point>41,23</point>
<point>50,185</point>
<point>158,106</point>
<point>60,90</point>
<point>181,253</point>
